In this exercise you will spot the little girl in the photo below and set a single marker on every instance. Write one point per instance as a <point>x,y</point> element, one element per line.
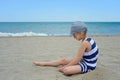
<point>86,59</point>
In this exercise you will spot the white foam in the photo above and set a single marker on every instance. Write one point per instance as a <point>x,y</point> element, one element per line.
<point>23,34</point>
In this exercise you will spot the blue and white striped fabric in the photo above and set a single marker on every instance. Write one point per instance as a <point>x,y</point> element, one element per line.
<point>89,60</point>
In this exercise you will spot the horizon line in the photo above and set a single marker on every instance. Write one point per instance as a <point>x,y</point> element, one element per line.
<point>59,21</point>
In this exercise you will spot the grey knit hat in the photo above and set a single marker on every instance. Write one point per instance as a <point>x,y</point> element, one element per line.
<point>78,27</point>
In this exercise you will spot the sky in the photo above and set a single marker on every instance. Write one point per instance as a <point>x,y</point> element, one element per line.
<point>59,10</point>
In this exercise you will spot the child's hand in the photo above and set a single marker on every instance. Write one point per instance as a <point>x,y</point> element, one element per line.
<point>62,68</point>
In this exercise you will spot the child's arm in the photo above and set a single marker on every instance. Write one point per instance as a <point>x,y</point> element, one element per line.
<point>80,54</point>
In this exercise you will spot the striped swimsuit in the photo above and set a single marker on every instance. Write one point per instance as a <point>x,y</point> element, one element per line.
<point>89,60</point>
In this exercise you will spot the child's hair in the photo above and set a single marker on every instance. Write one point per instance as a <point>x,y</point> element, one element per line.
<point>78,27</point>
<point>85,32</point>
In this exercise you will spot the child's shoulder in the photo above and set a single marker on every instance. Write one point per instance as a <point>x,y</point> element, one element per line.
<point>89,40</point>
<point>86,42</point>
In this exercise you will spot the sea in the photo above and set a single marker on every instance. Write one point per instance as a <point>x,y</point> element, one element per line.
<point>55,28</point>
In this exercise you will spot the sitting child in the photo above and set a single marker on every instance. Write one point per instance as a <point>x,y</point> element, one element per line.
<point>86,59</point>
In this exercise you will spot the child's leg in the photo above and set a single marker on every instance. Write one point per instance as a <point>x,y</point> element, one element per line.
<point>62,61</point>
<point>72,70</point>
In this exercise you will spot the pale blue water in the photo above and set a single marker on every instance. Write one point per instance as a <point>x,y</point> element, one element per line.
<point>54,28</point>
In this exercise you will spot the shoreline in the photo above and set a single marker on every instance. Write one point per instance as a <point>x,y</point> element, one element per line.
<point>95,35</point>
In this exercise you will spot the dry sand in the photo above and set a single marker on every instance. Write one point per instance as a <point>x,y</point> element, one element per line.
<point>18,53</point>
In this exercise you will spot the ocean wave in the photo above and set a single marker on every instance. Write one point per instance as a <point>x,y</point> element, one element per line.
<point>2,34</point>
<point>23,34</point>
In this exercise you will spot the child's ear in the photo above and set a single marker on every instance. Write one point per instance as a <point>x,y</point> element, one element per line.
<point>82,33</point>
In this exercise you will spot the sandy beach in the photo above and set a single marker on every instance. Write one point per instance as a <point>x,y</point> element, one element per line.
<point>18,53</point>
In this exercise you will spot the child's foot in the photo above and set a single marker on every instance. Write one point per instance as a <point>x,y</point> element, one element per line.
<point>39,63</point>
